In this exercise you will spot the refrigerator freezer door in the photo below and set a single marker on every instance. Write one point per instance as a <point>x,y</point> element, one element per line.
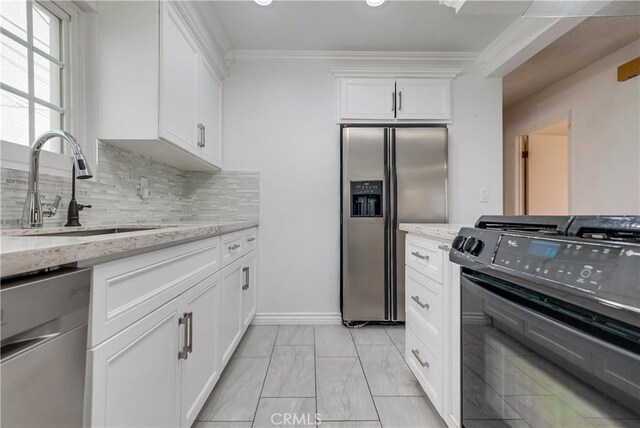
<point>419,183</point>
<point>364,246</point>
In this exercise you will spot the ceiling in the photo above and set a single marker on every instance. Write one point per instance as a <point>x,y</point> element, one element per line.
<point>353,26</point>
<point>589,41</point>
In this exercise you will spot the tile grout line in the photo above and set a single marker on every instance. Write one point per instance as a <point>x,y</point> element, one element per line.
<point>365,377</point>
<point>265,378</point>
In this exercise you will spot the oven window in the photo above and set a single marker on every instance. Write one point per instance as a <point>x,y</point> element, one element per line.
<point>522,368</point>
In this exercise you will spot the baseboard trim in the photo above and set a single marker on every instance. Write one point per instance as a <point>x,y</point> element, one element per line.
<point>309,318</point>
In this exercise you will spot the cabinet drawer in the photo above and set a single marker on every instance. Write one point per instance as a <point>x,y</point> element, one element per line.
<point>232,247</point>
<point>425,257</point>
<point>125,290</point>
<point>251,239</point>
<point>425,363</point>
<point>425,300</point>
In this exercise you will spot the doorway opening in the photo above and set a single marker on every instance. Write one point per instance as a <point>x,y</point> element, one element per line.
<point>544,170</point>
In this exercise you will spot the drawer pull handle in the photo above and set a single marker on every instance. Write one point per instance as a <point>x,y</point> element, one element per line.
<point>251,239</point>
<point>420,256</point>
<point>444,248</point>
<point>417,300</point>
<point>234,247</point>
<point>417,355</point>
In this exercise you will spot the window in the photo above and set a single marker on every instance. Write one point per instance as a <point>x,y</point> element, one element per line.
<point>34,79</point>
<point>48,71</point>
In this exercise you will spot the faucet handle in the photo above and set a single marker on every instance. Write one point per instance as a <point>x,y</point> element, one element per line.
<point>49,210</point>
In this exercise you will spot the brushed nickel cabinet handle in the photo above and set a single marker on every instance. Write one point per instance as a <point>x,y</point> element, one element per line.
<point>420,256</point>
<point>251,239</point>
<point>399,100</point>
<point>204,135</point>
<point>393,101</point>
<point>234,247</point>
<point>190,325</point>
<point>184,353</point>
<point>245,271</point>
<point>444,248</point>
<point>417,300</point>
<point>200,135</point>
<point>417,355</point>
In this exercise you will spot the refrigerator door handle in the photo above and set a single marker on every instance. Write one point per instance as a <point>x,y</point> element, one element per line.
<point>393,214</point>
<point>387,225</point>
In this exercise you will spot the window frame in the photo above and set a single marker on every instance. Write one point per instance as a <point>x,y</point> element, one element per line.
<point>79,57</point>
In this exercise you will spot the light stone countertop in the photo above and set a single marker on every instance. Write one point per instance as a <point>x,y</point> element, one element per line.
<point>444,232</point>
<point>21,253</point>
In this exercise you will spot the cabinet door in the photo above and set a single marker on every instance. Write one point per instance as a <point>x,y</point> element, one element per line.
<point>249,289</point>
<point>231,280</point>
<point>423,99</point>
<point>201,369</point>
<point>367,99</point>
<point>210,113</point>
<point>179,63</point>
<point>136,373</point>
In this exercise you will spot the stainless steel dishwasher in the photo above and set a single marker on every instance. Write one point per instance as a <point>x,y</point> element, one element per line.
<point>44,348</point>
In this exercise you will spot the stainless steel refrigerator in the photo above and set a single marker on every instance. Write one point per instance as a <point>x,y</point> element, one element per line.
<point>390,175</point>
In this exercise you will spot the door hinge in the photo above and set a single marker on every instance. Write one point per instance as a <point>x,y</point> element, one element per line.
<point>525,154</point>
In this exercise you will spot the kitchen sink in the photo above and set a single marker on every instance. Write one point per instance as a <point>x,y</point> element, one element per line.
<point>89,232</point>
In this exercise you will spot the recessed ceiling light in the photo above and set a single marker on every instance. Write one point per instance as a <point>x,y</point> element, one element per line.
<point>267,2</point>
<point>375,3</point>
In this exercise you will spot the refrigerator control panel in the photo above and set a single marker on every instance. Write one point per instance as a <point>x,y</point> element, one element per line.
<point>366,198</point>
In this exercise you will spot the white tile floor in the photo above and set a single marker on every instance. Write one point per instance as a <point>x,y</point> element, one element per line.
<point>350,378</point>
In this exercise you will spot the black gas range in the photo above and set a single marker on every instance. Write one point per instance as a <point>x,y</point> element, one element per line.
<point>550,321</point>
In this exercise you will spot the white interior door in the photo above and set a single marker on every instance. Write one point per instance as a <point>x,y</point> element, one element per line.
<point>547,170</point>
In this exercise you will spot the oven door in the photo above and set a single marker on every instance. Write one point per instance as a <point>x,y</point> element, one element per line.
<point>529,360</point>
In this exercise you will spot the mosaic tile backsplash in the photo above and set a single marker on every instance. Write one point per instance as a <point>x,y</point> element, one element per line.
<point>115,194</point>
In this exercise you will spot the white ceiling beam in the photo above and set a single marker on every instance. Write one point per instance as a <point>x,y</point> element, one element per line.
<point>520,41</point>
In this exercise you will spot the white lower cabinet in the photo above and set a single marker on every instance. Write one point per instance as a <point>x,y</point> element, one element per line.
<point>249,290</point>
<point>433,324</point>
<point>231,280</point>
<point>201,367</point>
<point>126,388</point>
<point>159,370</point>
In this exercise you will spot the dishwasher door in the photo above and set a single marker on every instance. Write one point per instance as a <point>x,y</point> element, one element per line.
<point>44,386</point>
<point>44,348</point>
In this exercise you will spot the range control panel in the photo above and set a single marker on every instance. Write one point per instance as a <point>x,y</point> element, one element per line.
<point>580,265</point>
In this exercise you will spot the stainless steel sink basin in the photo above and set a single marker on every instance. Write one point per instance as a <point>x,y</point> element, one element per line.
<point>89,232</point>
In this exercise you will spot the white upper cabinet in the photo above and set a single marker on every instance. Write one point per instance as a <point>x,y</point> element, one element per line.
<point>394,100</point>
<point>210,113</point>
<point>423,99</point>
<point>367,99</point>
<point>157,93</point>
<point>179,67</point>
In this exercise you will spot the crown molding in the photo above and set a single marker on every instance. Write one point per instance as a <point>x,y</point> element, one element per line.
<point>212,40</point>
<point>249,55</point>
<point>397,72</point>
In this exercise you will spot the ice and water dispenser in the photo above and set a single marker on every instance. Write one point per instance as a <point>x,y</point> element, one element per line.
<point>366,198</point>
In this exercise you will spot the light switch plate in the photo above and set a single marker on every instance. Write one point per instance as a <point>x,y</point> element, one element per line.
<point>484,195</point>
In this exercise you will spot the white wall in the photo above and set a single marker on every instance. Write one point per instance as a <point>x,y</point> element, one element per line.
<point>280,119</point>
<point>604,137</point>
